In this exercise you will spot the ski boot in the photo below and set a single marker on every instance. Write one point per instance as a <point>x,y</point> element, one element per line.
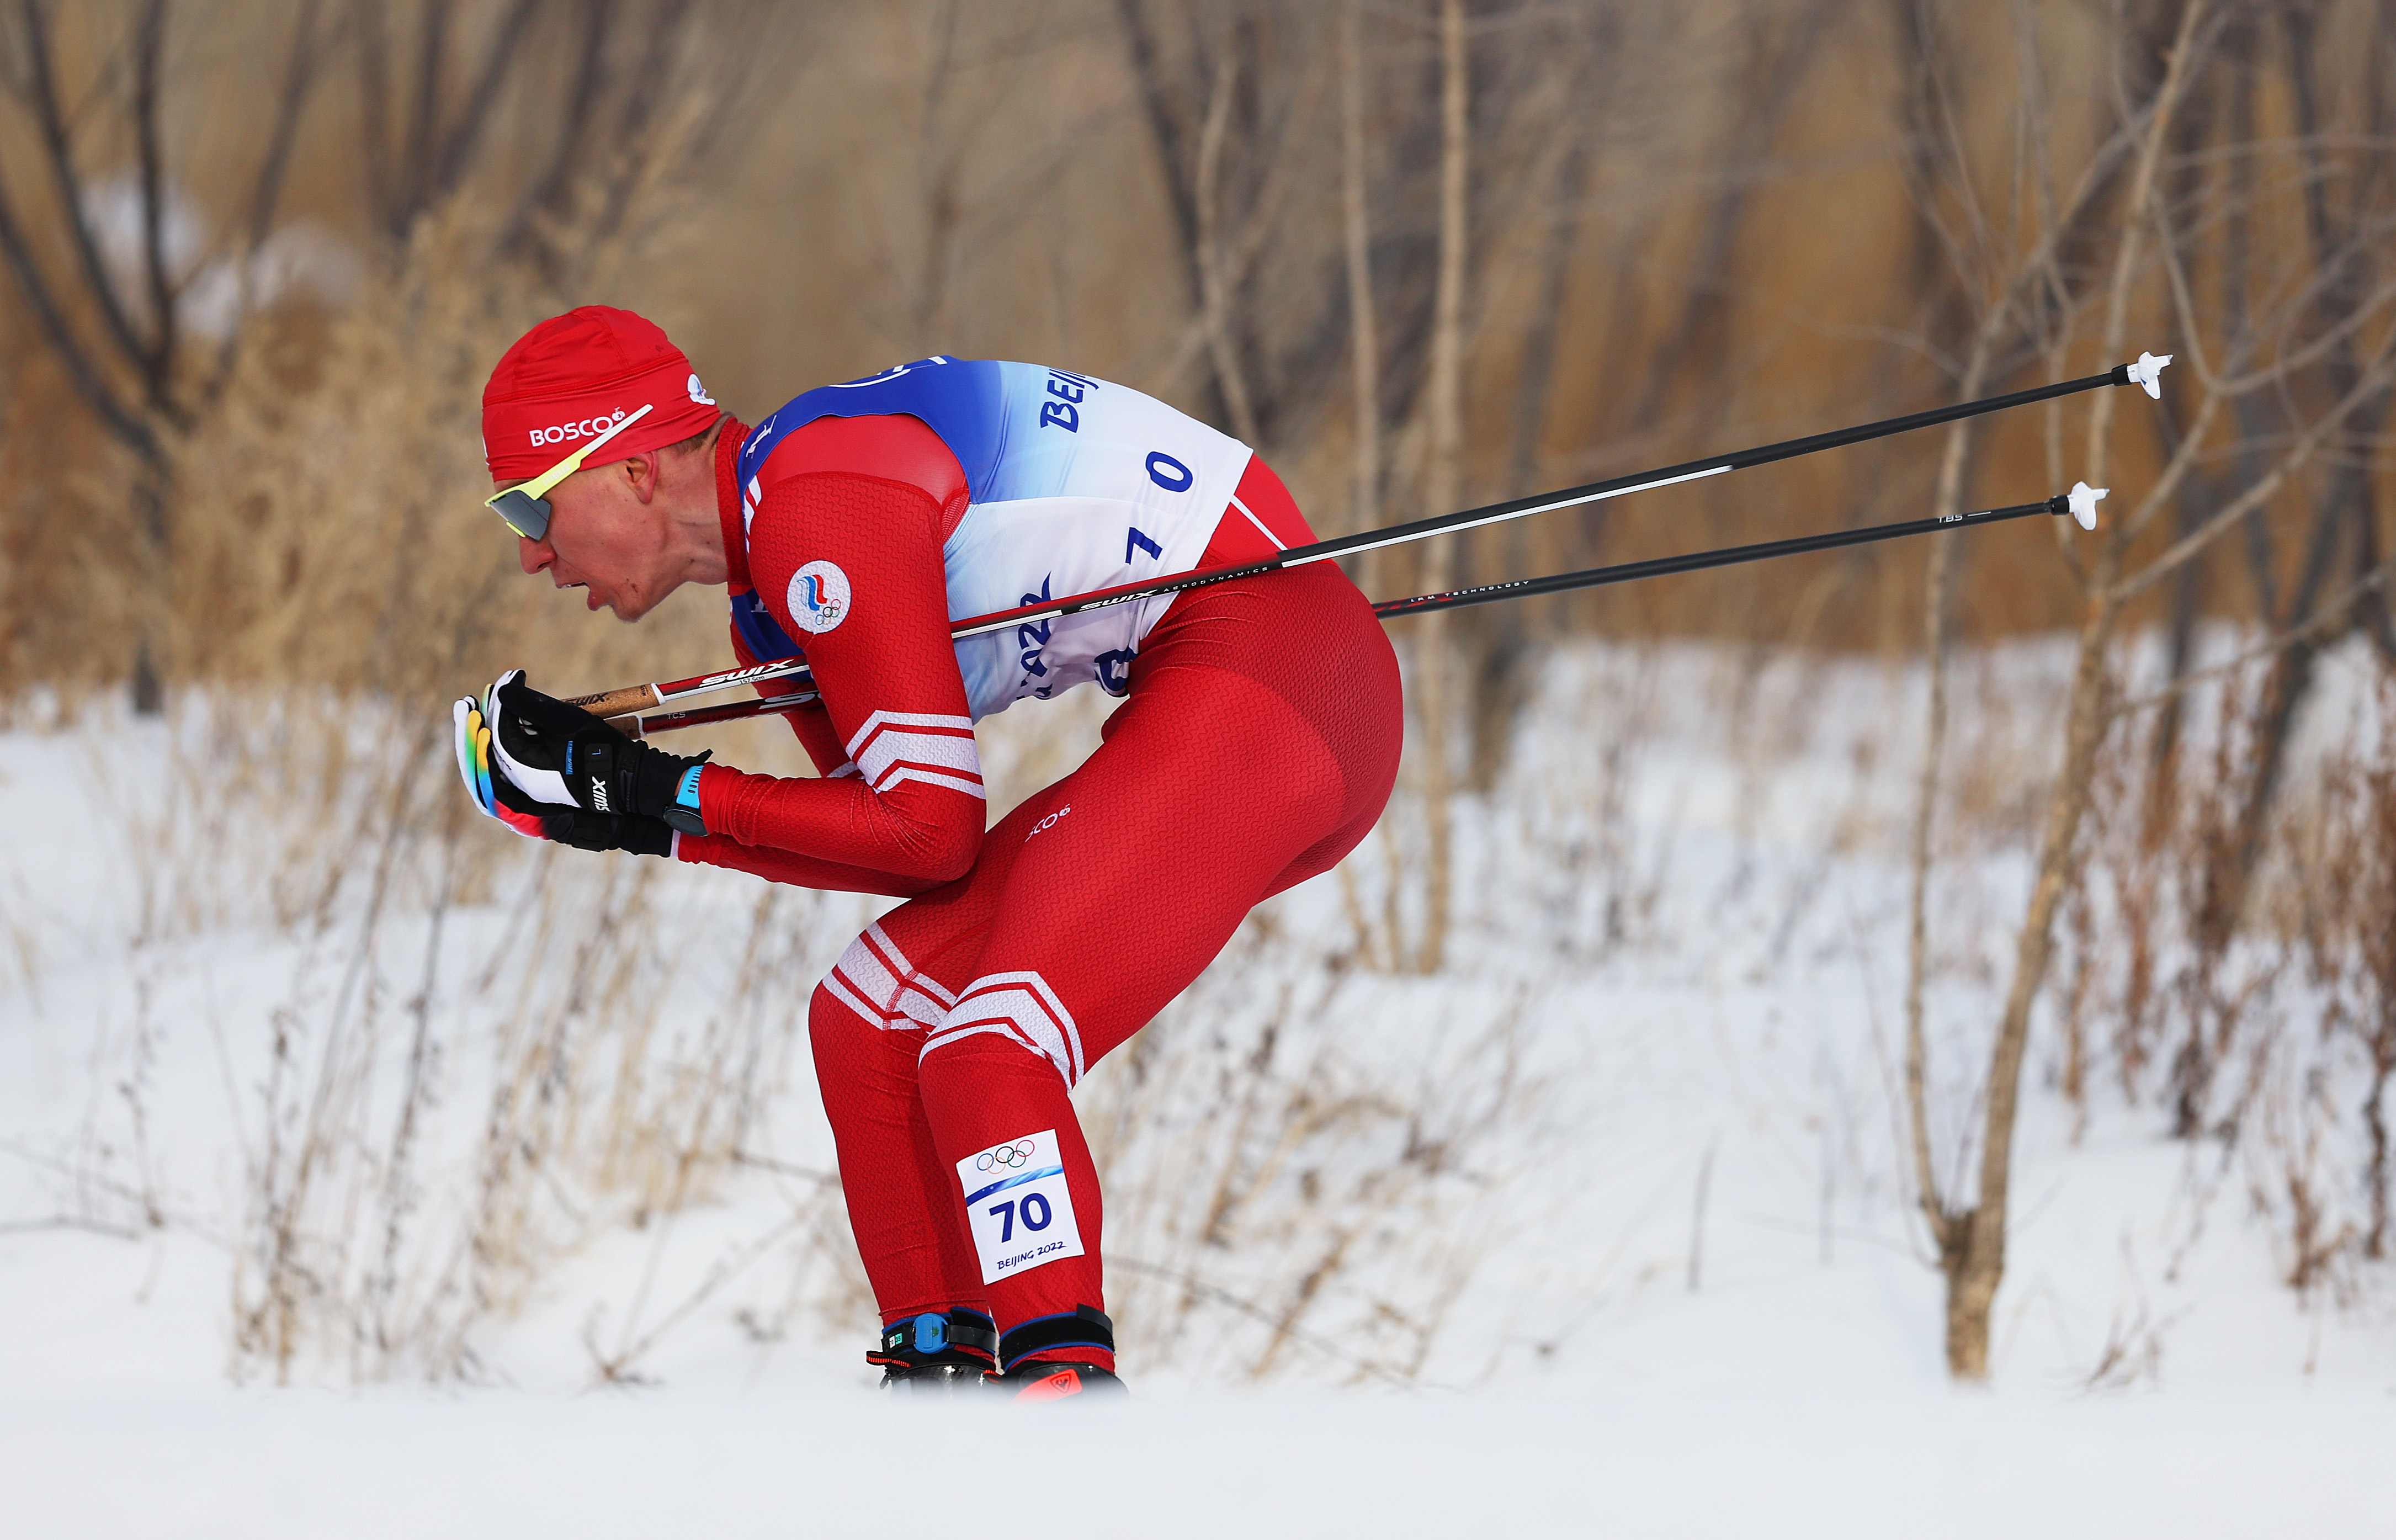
<point>1030,1380</point>
<point>935,1354</point>
<point>1042,1381</point>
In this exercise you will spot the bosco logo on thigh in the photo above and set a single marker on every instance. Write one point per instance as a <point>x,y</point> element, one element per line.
<point>1016,1199</point>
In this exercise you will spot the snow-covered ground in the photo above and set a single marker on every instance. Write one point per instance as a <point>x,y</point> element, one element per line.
<point>361,1172</point>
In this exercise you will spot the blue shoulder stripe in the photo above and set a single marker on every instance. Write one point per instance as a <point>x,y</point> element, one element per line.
<point>768,642</point>
<point>962,400</point>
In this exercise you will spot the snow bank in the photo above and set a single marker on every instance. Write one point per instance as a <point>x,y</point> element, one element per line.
<point>306,1083</point>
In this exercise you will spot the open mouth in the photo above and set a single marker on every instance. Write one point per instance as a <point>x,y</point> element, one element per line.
<point>590,598</point>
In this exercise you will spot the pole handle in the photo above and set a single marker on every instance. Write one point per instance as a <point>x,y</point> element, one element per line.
<point>615,703</point>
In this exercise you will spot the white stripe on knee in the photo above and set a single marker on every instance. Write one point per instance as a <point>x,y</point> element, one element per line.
<point>874,979</point>
<point>1021,1007</point>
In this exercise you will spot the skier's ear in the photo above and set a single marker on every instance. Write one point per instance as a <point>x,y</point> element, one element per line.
<point>640,473</point>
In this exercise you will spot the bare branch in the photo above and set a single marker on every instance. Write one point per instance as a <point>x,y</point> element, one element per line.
<point>1362,339</point>
<point>299,77</point>
<point>373,52</point>
<point>590,68</point>
<point>266,188</point>
<point>2325,617</point>
<point>2125,263</point>
<point>2176,470</point>
<point>1164,122</point>
<point>158,363</point>
<point>2381,371</point>
<point>122,421</point>
<point>438,159</point>
<point>431,62</point>
<point>1214,296</point>
<point>49,115</point>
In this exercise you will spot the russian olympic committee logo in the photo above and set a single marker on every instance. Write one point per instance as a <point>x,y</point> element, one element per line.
<point>818,597</point>
<point>1006,1157</point>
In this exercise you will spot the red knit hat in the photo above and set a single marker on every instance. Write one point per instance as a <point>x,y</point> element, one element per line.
<point>575,375</point>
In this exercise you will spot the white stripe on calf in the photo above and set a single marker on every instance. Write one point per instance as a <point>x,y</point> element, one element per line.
<point>1026,1009</point>
<point>1004,1028</point>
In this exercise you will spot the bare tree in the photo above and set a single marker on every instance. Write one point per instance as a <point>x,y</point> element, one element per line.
<point>1234,93</point>
<point>1781,42</point>
<point>2015,282</point>
<point>2157,246</point>
<point>2348,217</point>
<point>112,326</point>
<point>1444,479</point>
<point>110,255</point>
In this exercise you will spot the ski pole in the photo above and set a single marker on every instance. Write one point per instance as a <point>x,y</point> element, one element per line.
<point>2146,373</point>
<point>2080,504</point>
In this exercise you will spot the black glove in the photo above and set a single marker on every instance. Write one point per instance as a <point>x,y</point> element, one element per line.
<point>502,799</point>
<point>565,756</point>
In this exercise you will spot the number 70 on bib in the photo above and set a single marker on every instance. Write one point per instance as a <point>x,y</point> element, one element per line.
<point>1018,1205</point>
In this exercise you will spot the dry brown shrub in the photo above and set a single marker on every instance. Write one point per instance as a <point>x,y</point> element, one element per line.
<point>333,534</point>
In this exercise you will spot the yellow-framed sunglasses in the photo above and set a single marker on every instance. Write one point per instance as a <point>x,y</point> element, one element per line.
<point>526,508</point>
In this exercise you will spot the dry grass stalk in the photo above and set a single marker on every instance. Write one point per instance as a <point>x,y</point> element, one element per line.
<point>1314,1213</point>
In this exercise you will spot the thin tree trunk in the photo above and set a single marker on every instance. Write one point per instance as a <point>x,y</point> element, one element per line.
<point>1939,598</point>
<point>1364,338</point>
<point>1172,150</point>
<point>1507,641</point>
<point>1976,1264</point>
<point>1444,481</point>
<point>1214,286</point>
<point>1365,368</point>
<point>1776,67</point>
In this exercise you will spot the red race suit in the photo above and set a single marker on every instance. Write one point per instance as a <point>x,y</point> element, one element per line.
<point>1256,746</point>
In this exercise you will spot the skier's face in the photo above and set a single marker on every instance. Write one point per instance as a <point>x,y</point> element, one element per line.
<point>608,535</point>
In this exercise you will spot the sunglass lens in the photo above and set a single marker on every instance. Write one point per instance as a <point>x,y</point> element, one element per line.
<point>528,516</point>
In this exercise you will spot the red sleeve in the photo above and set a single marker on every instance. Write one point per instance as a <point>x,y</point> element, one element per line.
<point>868,546</point>
<point>782,866</point>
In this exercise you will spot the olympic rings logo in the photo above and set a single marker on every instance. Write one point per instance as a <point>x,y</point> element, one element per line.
<point>1006,1157</point>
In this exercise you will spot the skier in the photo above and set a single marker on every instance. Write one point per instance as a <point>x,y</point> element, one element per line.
<point>1257,743</point>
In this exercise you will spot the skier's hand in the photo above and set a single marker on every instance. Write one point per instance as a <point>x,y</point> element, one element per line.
<point>500,797</point>
<point>563,755</point>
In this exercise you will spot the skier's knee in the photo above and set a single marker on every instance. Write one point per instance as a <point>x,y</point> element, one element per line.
<point>874,984</point>
<point>1005,1021</point>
